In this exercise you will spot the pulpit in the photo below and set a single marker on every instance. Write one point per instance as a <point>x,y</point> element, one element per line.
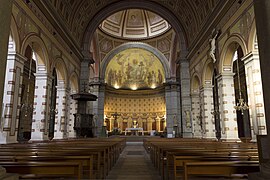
<point>83,123</point>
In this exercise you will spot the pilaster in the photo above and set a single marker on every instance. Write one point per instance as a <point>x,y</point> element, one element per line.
<point>208,121</point>
<point>60,131</point>
<point>255,94</point>
<point>229,130</point>
<point>196,119</point>
<point>185,98</point>
<point>40,115</point>
<point>11,99</point>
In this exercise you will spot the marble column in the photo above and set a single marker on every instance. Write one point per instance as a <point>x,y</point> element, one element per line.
<point>196,119</point>
<point>60,118</point>
<point>5,19</point>
<point>262,17</point>
<point>185,98</point>
<point>98,89</point>
<point>72,111</point>
<point>11,99</point>
<point>149,124</point>
<point>208,120</point>
<point>41,105</point>
<point>255,94</point>
<point>228,120</point>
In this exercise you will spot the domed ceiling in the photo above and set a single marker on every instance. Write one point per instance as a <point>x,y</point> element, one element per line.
<point>134,24</point>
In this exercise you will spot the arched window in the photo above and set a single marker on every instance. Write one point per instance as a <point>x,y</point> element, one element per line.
<point>53,105</point>
<point>240,90</point>
<point>216,105</point>
<point>27,96</point>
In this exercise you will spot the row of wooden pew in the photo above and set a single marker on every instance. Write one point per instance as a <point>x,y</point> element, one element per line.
<point>88,158</point>
<point>183,158</point>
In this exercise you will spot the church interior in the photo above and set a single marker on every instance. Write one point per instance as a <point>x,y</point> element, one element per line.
<point>94,89</point>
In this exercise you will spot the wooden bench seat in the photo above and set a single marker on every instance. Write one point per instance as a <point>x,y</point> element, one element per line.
<point>220,168</point>
<point>44,169</point>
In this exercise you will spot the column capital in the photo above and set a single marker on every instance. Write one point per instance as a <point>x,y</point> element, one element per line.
<point>250,57</point>
<point>225,75</point>
<point>17,57</point>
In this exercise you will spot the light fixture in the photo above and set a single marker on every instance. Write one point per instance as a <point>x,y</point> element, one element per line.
<point>241,105</point>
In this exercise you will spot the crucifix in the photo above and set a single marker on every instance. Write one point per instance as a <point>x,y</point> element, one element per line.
<point>115,115</point>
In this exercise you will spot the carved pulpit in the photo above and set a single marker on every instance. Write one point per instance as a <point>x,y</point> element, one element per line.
<point>83,123</point>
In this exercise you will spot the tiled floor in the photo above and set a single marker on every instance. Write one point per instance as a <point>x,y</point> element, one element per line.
<point>134,164</point>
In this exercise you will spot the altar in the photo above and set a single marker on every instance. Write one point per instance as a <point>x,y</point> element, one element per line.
<point>135,130</point>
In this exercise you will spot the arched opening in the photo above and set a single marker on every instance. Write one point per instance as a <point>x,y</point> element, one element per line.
<point>134,94</point>
<point>27,96</point>
<point>53,110</point>
<point>196,107</point>
<point>216,111</point>
<point>241,96</point>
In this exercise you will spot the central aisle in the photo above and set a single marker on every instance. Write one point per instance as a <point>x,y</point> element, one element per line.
<point>134,164</point>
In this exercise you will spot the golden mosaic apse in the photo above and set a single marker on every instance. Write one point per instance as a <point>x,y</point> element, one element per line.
<point>135,69</point>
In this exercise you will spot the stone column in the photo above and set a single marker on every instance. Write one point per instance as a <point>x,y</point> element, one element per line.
<point>11,99</point>
<point>72,111</point>
<point>60,118</point>
<point>228,120</point>
<point>41,103</point>
<point>98,105</point>
<point>158,124</point>
<point>149,124</point>
<point>173,113</point>
<point>208,120</point>
<point>255,94</point>
<point>185,98</point>
<point>262,17</point>
<point>195,103</point>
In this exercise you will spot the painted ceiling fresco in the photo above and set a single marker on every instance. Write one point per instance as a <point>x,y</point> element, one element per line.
<point>134,69</point>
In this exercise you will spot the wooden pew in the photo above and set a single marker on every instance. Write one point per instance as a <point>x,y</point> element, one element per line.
<point>44,169</point>
<point>104,152</point>
<point>220,168</point>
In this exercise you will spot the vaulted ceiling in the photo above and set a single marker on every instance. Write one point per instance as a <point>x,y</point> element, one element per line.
<point>76,14</point>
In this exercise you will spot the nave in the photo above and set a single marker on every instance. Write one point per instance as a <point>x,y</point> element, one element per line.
<point>130,158</point>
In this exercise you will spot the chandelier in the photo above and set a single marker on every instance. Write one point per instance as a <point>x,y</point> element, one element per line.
<point>241,105</point>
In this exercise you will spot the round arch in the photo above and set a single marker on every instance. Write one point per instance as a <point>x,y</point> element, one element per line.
<point>121,5</point>
<point>195,83</point>
<point>252,38</point>
<point>144,46</point>
<point>228,50</point>
<point>15,34</point>
<point>207,73</point>
<point>74,82</point>
<point>38,45</point>
<point>61,70</point>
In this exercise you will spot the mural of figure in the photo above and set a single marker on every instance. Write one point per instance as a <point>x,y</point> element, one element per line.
<point>160,77</point>
<point>128,71</point>
<point>110,77</point>
<point>153,77</point>
<point>119,76</point>
<point>149,78</point>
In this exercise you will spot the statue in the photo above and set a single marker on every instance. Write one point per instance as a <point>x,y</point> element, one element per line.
<point>213,46</point>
